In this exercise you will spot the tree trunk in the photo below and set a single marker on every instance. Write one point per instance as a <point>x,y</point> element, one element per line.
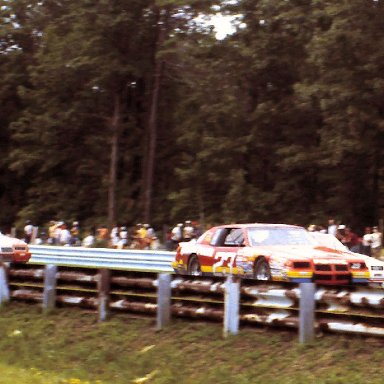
<point>115,129</point>
<point>152,123</point>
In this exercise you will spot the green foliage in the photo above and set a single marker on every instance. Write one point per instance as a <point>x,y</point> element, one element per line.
<point>281,121</point>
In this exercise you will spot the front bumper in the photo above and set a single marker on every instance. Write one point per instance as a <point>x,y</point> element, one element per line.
<point>179,268</point>
<point>21,257</point>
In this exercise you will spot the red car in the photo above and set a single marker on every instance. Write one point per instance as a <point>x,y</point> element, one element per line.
<point>268,252</point>
<point>13,250</point>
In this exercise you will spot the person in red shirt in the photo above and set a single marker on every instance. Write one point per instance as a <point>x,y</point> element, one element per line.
<point>351,240</point>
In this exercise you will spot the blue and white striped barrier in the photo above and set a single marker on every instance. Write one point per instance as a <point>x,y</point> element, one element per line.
<point>138,260</point>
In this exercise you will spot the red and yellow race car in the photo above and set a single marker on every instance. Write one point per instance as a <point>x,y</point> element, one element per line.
<point>276,252</point>
<point>13,250</point>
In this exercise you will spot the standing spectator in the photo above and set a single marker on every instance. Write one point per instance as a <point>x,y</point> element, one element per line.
<point>57,234</point>
<point>349,239</point>
<point>366,242</point>
<point>340,233</point>
<point>155,243</point>
<point>65,235</point>
<point>141,236</point>
<point>136,240</point>
<point>102,233</point>
<point>75,234</point>
<point>89,240</point>
<point>150,231</point>
<point>196,230</point>
<point>142,231</point>
<point>42,238</point>
<point>332,227</point>
<point>28,231</point>
<point>188,231</point>
<point>177,235</point>
<point>149,236</point>
<point>51,232</point>
<point>376,243</point>
<point>115,236</point>
<point>169,246</point>
<point>123,238</point>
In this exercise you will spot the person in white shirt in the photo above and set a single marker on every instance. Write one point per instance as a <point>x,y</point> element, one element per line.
<point>366,242</point>
<point>188,231</point>
<point>376,242</point>
<point>65,235</point>
<point>332,227</point>
<point>28,230</point>
<point>177,234</point>
<point>123,238</point>
<point>115,236</point>
<point>88,241</point>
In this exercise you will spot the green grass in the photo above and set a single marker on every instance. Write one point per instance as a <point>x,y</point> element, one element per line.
<point>69,346</point>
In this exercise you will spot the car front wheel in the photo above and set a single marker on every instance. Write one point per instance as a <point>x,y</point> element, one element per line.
<point>262,270</point>
<point>194,268</point>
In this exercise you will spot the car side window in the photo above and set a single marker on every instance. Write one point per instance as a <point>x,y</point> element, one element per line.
<point>234,238</point>
<point>218,237</point>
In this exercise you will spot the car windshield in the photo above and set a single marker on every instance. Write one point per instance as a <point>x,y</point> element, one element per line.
<point>278,236</point>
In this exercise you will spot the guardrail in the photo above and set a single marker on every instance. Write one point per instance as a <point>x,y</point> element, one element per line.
<point>137,260</point>
<point>352,309</point>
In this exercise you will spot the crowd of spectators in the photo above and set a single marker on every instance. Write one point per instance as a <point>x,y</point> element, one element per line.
<point>143,236</point>
<point>368,242</point>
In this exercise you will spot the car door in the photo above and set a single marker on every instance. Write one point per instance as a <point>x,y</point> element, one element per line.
<point>226,250</point>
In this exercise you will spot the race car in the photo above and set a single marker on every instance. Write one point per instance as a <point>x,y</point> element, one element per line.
<point>13,250</point>
<point>375,266</point>
<point>276,252</point>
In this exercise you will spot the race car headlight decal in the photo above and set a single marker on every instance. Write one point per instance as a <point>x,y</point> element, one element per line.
<point>357,266</point>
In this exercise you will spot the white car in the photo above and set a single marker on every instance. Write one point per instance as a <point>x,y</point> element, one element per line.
<point>13,250</point>
<point>376,267</point>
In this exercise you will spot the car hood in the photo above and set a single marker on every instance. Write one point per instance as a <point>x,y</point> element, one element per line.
<point>304,252</point>
<point>6,241</point>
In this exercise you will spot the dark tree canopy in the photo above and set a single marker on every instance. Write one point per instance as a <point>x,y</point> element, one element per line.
<point>122,111</point>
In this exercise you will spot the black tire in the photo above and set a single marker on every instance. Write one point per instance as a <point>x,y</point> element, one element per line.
<point>194,268</point>
<point>262,271</point>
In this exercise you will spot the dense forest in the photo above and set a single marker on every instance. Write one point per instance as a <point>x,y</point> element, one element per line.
<point>126,111</point>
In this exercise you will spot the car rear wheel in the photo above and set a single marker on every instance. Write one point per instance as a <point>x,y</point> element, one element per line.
<point>194,268</point>
<point>262,270</point>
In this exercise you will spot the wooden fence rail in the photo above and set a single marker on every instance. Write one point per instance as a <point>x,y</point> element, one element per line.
<point>232,301</point>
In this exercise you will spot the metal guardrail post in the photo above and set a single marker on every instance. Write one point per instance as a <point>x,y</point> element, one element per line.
<point>163,316</point>
<point>4,289</point>
<point>231,306</point>
<point>49,295</point>
<point>307,312</point>
<point>103,289</point>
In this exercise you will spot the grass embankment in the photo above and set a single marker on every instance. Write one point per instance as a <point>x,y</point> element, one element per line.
<point>70,347</point>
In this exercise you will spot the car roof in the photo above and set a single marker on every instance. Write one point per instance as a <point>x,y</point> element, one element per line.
<point>258,225</point>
